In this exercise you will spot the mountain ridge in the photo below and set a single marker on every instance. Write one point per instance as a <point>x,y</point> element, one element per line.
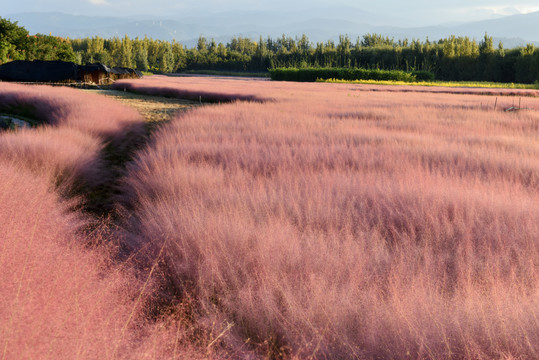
<point>513,30</point>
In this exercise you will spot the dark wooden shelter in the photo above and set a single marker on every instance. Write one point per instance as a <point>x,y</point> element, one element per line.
<point>39,71</point>
<point>126,73</point>
<point>95,73</point>
<point>62,71</point>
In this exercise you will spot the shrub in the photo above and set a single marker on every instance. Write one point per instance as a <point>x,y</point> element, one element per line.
<point>423,75</point>
<point>313,74</point>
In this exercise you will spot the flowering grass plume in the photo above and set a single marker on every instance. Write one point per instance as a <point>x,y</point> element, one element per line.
<point>336,223</point>
<point>219,91</point>
<point>67,157</point>
<point>57,300</point>
<point>59,106</point>
<point>64,294</point>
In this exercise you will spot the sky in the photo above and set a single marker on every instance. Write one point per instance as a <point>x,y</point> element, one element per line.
<point>409,12</point>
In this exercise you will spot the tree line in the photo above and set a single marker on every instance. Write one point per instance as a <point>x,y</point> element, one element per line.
<point>452,58</point>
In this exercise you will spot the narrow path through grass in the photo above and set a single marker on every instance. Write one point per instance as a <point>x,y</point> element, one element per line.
<point>156,110</point>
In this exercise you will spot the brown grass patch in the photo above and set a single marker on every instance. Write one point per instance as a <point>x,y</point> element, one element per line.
<point>155,109</point>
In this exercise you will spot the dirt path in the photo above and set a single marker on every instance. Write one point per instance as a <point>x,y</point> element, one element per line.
<point>155,109</point>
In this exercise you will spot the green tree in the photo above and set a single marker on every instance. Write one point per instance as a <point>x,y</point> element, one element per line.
<point>501,50</point>
<point>47,47</point>
<point>344,51</point>
<point>202,44</point>
<point>376,40</point>
<point>166,58</point>
<point>13,41</point>
<point>180,57</point>
<point>125,54</point>
<point>115,51</point>
<point>487,45</point>
<point>140,54</point>
<point>95,51</point>
<point>212,48</point>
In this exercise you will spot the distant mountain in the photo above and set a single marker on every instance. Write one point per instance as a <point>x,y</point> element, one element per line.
<point>319,24</point>
<point>514,30</point>
<point>524,26</point>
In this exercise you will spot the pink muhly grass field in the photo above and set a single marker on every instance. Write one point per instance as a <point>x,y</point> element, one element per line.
<point>209,89</point>
<point>340,223</point>
<point>69,146</point>
<point>57,300</point>
<point>61,295</point>
<point>193,88</point>
<point>451,90</point>
<point>59,106</point>
<point>68,157</point>
<point>60,300</point>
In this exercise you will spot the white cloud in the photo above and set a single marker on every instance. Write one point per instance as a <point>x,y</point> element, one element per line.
<point>527,9</point>
<point>508,10</point>
<point>99,2</point>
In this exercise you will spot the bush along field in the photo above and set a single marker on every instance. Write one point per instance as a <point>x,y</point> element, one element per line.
<point>346,221</point>
<point>349,74</point>
<point>294,220</point>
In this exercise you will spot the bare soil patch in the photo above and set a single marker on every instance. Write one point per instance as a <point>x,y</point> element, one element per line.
<point>155,109</point>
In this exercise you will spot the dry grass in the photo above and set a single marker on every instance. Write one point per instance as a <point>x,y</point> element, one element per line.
<point>154,109</point>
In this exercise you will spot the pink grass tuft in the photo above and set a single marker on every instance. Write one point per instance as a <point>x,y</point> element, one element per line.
<point>89,113</point>
<point>66,156</point>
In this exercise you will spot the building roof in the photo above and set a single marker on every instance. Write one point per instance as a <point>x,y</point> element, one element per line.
<point>57,71</point>
<point>38,71</point>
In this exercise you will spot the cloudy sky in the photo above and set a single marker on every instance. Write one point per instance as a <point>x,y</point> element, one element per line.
<point>418,12</point>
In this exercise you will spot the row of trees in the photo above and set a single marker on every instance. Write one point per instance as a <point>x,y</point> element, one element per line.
<point>17,44</point>
<point>452,58</point>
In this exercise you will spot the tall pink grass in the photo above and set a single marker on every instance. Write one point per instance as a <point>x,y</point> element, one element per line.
<point>451,90</point>
<point>219,91</point>
<point>210,89</point>
<point>67,157</point>
<point>57,300</point>
<point>69,146</point>
<point>338,224</point>
<point>59,106</point>
<point>61,300</point>
<point>63,292</point>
